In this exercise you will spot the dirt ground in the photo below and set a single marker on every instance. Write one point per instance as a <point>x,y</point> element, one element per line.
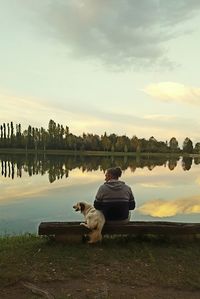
<point>94,289</point>
<point>33,268</point>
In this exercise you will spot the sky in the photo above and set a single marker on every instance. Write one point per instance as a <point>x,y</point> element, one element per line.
<point>117,66</point>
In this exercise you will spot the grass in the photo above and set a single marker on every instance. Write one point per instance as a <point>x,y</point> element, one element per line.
<point>84,153</point>
<point>119,261</point>
<point>92,153</point>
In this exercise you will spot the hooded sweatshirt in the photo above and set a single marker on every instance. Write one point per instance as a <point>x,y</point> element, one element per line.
<point>114,189</point>
<point>114,198</point>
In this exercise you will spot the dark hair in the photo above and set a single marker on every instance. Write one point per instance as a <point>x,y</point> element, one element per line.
<point>115,172</point>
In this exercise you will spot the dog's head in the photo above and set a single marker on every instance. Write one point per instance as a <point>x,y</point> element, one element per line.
<point>80,206</point>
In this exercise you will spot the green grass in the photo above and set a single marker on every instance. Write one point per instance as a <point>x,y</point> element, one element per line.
<point>124,261</point>
<point>84,153</point>
<point>90,153</point>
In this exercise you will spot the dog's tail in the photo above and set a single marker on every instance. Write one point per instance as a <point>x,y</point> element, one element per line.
<point>95,234</point>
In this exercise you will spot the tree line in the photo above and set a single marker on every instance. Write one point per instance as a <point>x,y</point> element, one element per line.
<point>58,137</point>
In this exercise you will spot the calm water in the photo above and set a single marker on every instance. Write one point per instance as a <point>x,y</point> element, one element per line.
<point>44,188</point>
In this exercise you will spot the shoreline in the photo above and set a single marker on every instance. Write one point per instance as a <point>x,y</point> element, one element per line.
<point>93,153</point>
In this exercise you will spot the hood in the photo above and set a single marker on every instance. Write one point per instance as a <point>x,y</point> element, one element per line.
<point>114,184</point>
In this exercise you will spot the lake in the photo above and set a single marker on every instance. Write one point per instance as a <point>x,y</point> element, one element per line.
<point>37,188</point>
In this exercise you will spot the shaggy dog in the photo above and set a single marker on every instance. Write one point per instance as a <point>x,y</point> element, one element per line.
<point>94,220</point>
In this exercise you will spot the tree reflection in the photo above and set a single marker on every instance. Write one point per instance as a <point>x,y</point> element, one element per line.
<point>172,163</point>
<point>197,160</point>
<point>58,167</point>
<point>186,163</point>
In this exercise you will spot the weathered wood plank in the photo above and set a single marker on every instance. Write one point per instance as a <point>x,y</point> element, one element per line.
<point>133,227</point>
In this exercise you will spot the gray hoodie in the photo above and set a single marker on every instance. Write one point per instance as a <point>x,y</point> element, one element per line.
<point>114,189</point>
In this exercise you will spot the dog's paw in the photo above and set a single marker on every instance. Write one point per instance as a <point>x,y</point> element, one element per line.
<point>85,238</point>
<point>91,242</point>
<point>85,225</point>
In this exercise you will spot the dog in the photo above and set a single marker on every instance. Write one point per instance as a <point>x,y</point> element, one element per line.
<point>94,220</point>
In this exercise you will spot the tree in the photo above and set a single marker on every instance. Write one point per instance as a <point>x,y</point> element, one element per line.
<point>173,145</point>
<point>29,137</point>
<point>197,148</point>
<point>52,133</point>
<point>18,135</point>
<point>1,132</point>
<point>44,138</point>
<point>187,146</point>
<point>143,145</point>
<point>8,134</point>
<point>152,144</point>
<point>106,143</point>
<point>11,134</point>
<point>134,144</point>
<point>12,129</point>
<point>125,148</point>
<point>36,138</point>
<point>4,131</point>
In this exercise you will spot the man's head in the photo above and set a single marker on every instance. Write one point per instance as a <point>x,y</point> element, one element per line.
<point>113,173</point>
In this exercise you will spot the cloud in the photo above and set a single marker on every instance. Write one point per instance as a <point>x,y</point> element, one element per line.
<point>115,32</point>
<point>168,208</point>
<point>20,109</point>
<point>24,109</point>
<point>160,117</point>
<point>174,92</point>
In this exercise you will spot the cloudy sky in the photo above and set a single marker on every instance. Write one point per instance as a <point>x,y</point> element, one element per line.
<point>124,66</point>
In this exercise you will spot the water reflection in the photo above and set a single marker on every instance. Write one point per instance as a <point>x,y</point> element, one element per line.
<point>58,167</point>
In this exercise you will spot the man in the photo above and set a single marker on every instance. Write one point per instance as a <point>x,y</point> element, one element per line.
<point>114,198</point>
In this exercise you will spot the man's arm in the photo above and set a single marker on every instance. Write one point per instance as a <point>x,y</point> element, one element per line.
<point>99,195</point>
<point>131,201</point>
<point>98,199</point>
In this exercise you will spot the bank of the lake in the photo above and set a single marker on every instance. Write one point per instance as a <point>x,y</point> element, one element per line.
<point>94,153</point>
<point>117,268</point>
<point>90,153</point>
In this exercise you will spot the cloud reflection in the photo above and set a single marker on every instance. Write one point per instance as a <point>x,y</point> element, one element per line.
<point>36,186</point>
<point>166,208</point>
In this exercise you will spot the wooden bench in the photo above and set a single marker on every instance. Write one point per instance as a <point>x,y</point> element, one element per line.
<point>73,230</point>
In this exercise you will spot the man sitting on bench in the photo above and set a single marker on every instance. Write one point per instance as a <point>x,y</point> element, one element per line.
<point>114,198</point>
